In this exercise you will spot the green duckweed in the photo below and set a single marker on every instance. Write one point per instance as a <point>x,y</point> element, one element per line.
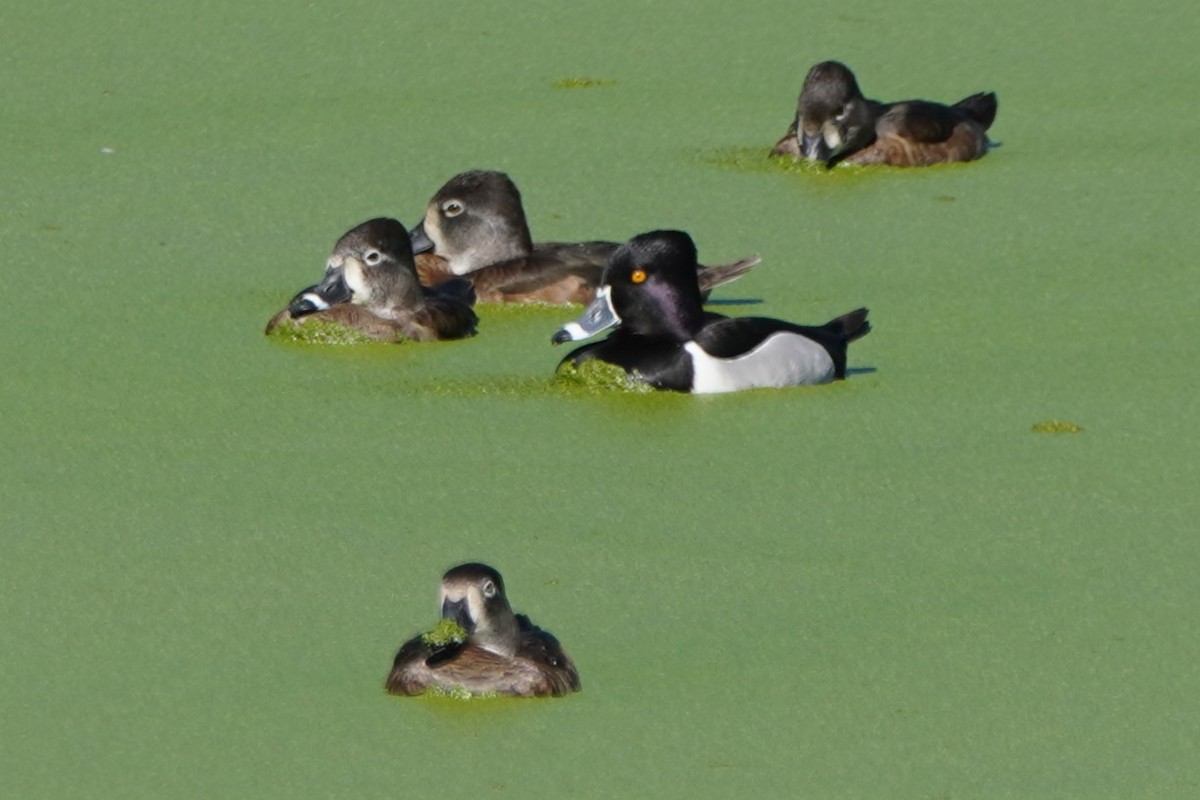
<point>317,332</point>
<point>597,376</point>
<point>582,83</point>
<point>446,632</point>
<point>1056,426</point>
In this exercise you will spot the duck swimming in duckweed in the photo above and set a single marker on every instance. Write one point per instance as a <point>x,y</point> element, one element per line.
<point>666,339</point>
<point>371,288</point>
<point>481,647</point>
<point>476,224</point>
<point>835,123</point>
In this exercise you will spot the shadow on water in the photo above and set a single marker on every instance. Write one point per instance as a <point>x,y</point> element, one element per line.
<point>735,301</point>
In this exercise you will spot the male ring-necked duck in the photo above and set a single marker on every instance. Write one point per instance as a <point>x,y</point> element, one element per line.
<point>667,340</point>
<point>477,225</point>
<point>835,123</point>
<point>503,653</point>
<point>371,286</point>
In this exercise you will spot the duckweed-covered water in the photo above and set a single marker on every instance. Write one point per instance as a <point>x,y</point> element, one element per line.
<point>214,542</point>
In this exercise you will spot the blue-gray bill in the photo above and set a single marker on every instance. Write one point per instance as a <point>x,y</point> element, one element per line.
<point>421,243</point>
<point>597,317</point>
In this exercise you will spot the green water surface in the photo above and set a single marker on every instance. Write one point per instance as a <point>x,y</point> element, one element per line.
<point>213,543</point>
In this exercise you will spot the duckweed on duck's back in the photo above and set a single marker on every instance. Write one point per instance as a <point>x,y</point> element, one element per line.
<point>445,633</point>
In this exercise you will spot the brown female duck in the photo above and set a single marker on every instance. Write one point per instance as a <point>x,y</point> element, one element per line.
<point>476,225</point>
<point>503,653</point>
<point>835,123</point>
<point>371,287</point>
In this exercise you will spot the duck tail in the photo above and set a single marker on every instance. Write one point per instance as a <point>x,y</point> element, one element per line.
<point>849,327</point>
<point>980,107</point>
<point>712,277</point>
<point>842,331</point>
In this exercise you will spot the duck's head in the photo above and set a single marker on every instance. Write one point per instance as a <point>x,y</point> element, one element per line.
<point>473,596</point>
<point>649,288</point>
<point>371,265</point>
<point>833,117</point>
<point>473,221</point>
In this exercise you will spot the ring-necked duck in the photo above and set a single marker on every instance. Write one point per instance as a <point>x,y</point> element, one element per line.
<point>667,340</point>
<point>477,225</point>
<point>835,123</point>
<point>371,286</point>
<point>503,653</point>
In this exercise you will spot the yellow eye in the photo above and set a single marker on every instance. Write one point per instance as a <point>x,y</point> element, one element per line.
<point>638,276</point>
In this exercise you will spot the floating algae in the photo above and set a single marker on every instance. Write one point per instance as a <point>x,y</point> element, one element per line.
<point>318,331</point>
<point>759,160</point>
<point>582,83</point>
<point>1056,426</point>
<point>597,376</point>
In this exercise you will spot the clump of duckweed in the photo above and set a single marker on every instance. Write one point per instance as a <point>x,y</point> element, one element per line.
<point>1056,426</point>
<point>535,308</point>
<point>453,693</point>
<point>582,83</point>
<point>597,376</point>
<point>446,633</point>
<point>759,160</point>
<point>317,331</point>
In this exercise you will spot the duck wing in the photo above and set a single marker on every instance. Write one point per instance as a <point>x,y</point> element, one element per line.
<point>410,673</point>
<point>447,313</point>
<point>730,338</point>
<point>712,277</point>
<point>541,649</point>
<point>541,277</point>
<point>918,121</point>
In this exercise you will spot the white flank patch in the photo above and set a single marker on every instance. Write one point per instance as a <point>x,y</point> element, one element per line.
<point>783,359</point>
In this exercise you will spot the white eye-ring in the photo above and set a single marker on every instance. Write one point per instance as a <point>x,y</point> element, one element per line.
<point>372,257</point>
<point>841,115</point>
<point>489,589</point>
<point>452,208</point>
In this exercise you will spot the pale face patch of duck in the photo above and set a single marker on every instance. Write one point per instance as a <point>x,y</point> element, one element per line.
<point>782,359</point>
<point>433,231</point>
<point>832,135</point>
<point>356,281</point>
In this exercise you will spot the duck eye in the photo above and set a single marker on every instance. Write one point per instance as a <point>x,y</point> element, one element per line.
<point>372,257</point>
<point>489,589</point>
<point>452,208</point>
<point>638,276</point>
<point>842,112</point>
